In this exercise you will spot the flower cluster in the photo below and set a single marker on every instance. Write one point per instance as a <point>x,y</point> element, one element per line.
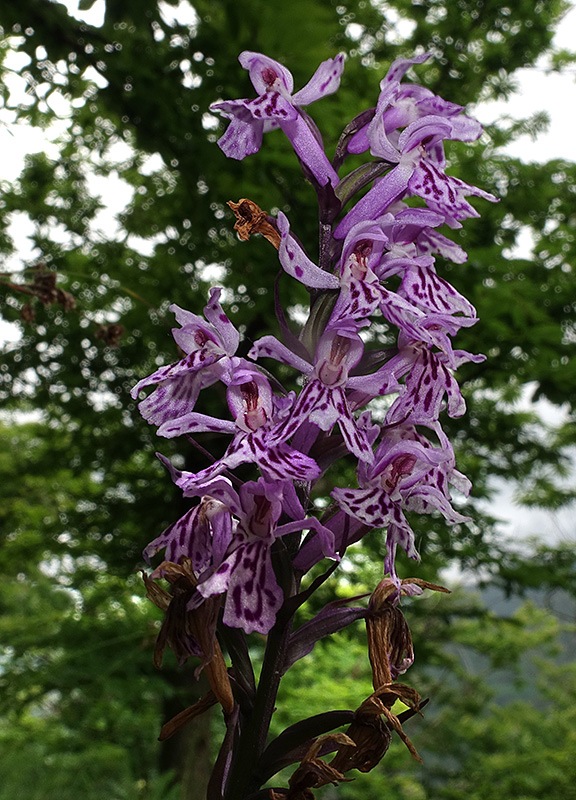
<point>404,461</point>
<point>374,366</point>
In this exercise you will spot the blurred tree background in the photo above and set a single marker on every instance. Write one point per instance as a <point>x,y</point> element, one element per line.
<point>125,103</point>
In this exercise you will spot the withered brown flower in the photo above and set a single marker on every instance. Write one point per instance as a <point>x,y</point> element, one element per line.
<point>189,629</point>
<point>250,219</point>
<point>312,772</point>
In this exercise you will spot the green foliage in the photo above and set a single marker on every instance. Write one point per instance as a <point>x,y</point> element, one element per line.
<point>476,737</point>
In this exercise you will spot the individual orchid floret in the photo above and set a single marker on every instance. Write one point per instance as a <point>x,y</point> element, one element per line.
<point>417,152</point>
<point>253,596</point>
<point>277,107</point>
<point>256,413</point>
<point>227,539</point>
<point>429,383</point>
<point>361,289</point>
<point>399,105</point>
<point>390,89</point>
<point>419,171</point>
<point>323,401</point>
<point>208,343</point>
<point>202,535</point>
<point>408,473</point>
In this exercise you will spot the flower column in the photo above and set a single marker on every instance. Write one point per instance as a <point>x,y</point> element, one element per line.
<point>245,548</point>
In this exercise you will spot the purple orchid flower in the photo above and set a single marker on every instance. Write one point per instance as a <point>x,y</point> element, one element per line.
<point>253,596</point>
<point>277,107</point>
<point>408,473</point>
<point>424,308</point>
<point>401,104</point>
<point>428,382</point>
<point>361,289</point>
<point>209,345</point>
<point>417,152</point>
<point>240,559</point>
<point>377,264</point>
<point>419,171</point>
<point>323,402</point>
<point>257,412</point>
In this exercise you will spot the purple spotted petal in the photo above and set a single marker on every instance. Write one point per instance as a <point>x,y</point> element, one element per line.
<point>400,67</point>
<point>428,290</point>
<point>430,241</point>
<point>426,386</point>
<point>195,423</point>
<point>444,193</point>
<point>427,499</point>
<point>214,313</point>
<point>282,462</point>
<point>202,535</point>
<point>190,363</point>
<point>325,81</point>
<point>265,73</point>
<point>270,347</point>
<point>371,506</point>
<point>243,136</point>
<point>253,597</point>
<point>297,264</point>
<point>172,399</point>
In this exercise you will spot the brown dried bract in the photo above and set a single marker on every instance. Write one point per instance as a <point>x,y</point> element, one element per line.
<point>312,771</point>
<point>371,731</point>
<point>390,646</point>
<point>189,631</point>
<point>250,219</point>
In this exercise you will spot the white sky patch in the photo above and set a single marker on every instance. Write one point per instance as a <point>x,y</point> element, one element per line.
<point>541,90</point>
<point>115,194</point>
<point>211,273</point>
<point>183,13</point>
<point>94,16</point>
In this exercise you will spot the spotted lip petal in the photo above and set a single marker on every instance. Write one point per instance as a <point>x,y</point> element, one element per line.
<point>257,415</point>
<point>246,574</point>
